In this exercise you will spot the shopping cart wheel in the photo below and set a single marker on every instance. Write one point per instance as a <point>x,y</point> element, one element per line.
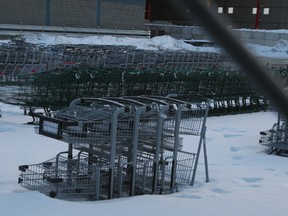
<point>52,194</point>
<point>23,168</point>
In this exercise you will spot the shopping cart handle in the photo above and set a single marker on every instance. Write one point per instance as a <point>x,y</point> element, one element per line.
<point>127,109</point>
<point>23,168</point>
<point>148,108</point>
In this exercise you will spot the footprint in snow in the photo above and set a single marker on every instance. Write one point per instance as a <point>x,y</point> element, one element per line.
<point>220,191</point>
<point>189,196</point>
<point>237,157</point>
<point>234,149</point>
<point>231,135</point>
<point>252,179</point>
<point>219,129</point>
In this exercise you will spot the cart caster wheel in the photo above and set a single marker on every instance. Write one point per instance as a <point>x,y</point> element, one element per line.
<point>52,194</point>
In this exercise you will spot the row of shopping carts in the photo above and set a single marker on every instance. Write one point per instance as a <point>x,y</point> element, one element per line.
<point>30,59</point>
<point>230,90</point>
<point>53,76</point>
<point>119,146</point>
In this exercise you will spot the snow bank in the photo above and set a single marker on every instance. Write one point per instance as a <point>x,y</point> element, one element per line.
<point>280,50</point>
<point>155,43</point>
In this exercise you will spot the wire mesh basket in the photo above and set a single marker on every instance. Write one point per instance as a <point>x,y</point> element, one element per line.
<point>276,138</point>
<point>127,146</point>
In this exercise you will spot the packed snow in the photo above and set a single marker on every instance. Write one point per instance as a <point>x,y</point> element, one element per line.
<point>244,180</point>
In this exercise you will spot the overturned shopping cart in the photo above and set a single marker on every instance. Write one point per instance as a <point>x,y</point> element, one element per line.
<point>119,146</point>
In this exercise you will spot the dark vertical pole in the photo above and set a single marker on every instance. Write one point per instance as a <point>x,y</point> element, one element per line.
<point>70,151</point>
<point>47,12</point>
<point>257,19</point>
<point>205,156</point>
<point>98,12</point>
<point>147,10</point>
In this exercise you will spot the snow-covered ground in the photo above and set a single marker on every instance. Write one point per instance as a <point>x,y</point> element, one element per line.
<point>243,179</point>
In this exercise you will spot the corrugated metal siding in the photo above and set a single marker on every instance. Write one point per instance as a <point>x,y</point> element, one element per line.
<point>29,12</point>
<point>121,14</point>
<point>73,13</point>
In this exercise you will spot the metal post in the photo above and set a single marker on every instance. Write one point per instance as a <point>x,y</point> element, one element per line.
<point>98,12</point>
<point>47,12</point>
<point>113,136</point>
<point>176,146</point>
<point>70,151</point>
<point>97,187</point>
<point>135,144</point>
<point>257,19</point>
<point>202,138</point>
<point>147,15</point>
<point>205,156</point>
<point>160,120</point>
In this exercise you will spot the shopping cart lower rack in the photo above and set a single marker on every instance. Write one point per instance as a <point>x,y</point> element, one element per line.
<point>83,178</point>
<point>275,140</point>
<point>119,147</point>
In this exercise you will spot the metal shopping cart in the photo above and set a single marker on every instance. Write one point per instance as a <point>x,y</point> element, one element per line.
<point>275,140</point>
<point>124,146</point>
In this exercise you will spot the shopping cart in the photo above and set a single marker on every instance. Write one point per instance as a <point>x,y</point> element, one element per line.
<point>275,140</point>
<point>125,146</point>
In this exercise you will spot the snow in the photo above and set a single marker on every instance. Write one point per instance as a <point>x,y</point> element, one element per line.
<point>244,180</point>
<point>280,50</point>
<point>157,43</point>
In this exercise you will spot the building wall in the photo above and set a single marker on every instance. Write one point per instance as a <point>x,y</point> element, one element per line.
<point>165,10</point>
<point>73,13</point>
<point>129,14</point>
<point>273,13</point>
<point>22,11</point>
<point>121,14</point>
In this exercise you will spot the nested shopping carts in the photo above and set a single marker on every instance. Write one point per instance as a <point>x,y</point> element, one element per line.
<point>119,146</point>
<point>275,140</point>
<point>53,76</point>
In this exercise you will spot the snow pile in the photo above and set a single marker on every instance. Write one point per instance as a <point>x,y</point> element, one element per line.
<point>163,43</point>
<point>280,50</point>
<point>155,43</point>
